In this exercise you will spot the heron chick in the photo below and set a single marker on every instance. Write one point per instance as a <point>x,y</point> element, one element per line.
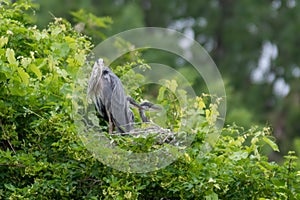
<point>107,92</point>
<point>147,106</point>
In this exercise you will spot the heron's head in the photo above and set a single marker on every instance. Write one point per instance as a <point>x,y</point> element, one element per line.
<point>98,66</point>
<point>94,85</point>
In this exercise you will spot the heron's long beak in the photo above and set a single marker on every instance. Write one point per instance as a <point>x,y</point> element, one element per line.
<point>93,85</point>
<point>100,63</point>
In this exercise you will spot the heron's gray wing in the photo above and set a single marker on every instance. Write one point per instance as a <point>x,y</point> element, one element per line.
<point>119,106</point>
<point>101,108</point>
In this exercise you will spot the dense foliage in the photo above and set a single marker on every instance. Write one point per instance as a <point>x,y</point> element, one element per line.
<point>41,156</point>
<point>253,43</point>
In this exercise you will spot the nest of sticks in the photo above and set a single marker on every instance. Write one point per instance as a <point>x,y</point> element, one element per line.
<point>154,131</point>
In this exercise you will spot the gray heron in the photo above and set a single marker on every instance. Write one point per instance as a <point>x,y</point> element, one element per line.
<point>107,92</point>
<point>108,95</point>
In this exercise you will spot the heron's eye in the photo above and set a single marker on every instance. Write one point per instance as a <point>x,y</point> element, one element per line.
<point>105,72</point>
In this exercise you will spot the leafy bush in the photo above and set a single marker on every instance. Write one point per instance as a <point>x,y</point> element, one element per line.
<point>41,156</point>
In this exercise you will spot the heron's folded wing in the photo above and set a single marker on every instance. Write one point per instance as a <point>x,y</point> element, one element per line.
<point>119,107</point>
<point>101,108</point>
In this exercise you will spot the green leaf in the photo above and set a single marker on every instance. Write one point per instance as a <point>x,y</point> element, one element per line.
<point>10,55</point>
<point>3,41</point>
<point>24,76</point>
<point>201,105</point>
<point>72,42</point>
<point>80,58</point>
<point>272,144</point>
<point>10,187</point>
<point>161,93</point>
<point>61,49</point>
<point>212,196</point>
<point>25,62</point>
<point>36,71</point>
<point>172,85</point>
<point>238,155</point>
<point>40,35</point>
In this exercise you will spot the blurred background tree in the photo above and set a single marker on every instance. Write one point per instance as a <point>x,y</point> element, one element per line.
<point>254,44</point>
